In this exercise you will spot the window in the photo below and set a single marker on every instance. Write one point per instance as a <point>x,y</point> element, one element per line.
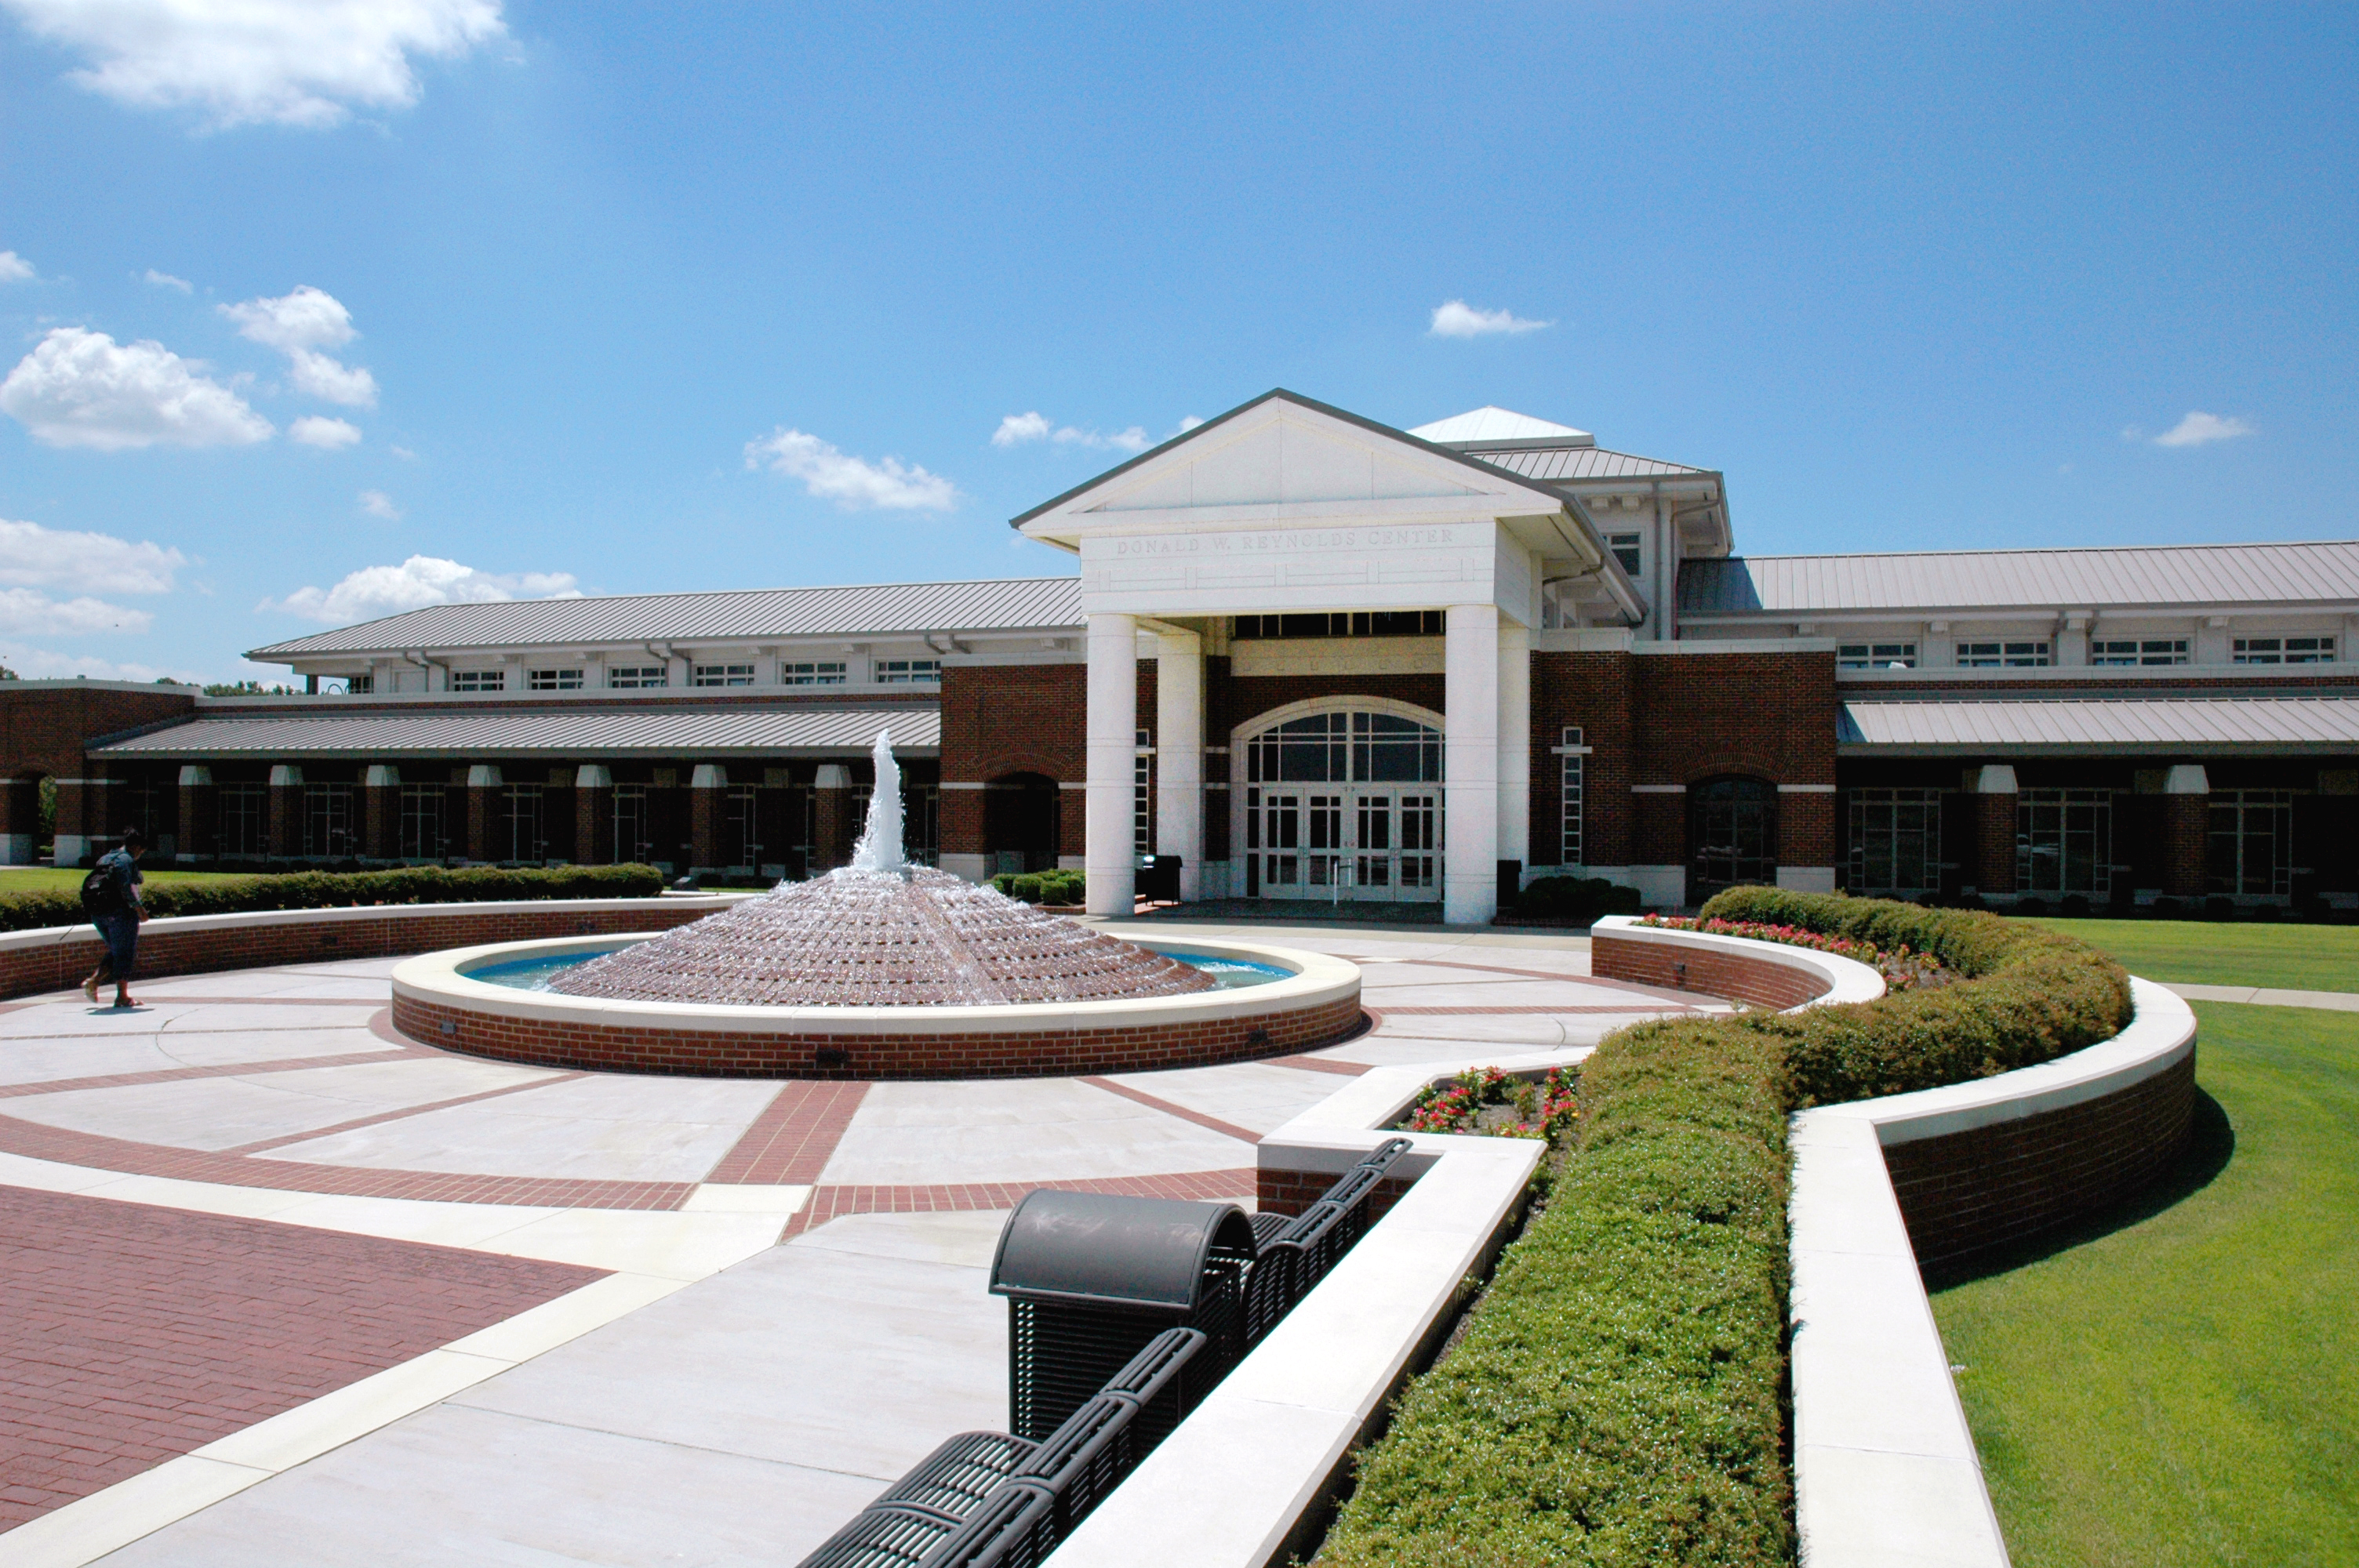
<point>353,686</point>
<point>1625,550</point>
<point>810,673</point>
<point>518,834</point>
<point>1142,796</point>
<point>1337,748</point>
<point>479,680</point>
<point>2064,842</point>
<point>1731,834</point>
<point>328,821</point>
<point>2139,651</point>
<point>244,821</point>
<point>632,841</point>
<point>2008,656</point>
<point>2308,650</point>
<point>741,828</point>
<point>422,822</point>
<point>2252,842</point>
<point>720,675</point>
<point>1895,841</point>
<point>904,671</point>
<point>1343,623</point>
<point>637,676</point>
<point>553,680</point>
<point>1876,656</point>
<point>1574,755</point>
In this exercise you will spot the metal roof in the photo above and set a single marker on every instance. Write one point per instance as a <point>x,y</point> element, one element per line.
<point>2172,724</point>
<point>561,733</point>
<point>2156,575</point>
<point>879,609</point>
<point>1557,464</point>
<point>1489,425</point>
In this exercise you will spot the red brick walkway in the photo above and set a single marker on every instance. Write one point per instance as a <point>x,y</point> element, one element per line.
<point>952,1197</point>
<point>130,1334</point>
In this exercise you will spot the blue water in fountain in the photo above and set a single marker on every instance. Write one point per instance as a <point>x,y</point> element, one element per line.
<point>533,974</point>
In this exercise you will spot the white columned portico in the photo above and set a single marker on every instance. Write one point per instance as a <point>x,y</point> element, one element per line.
<point>1113,750</point>
<point>1515,742</point>
<point>1470,872</point>
<point>1179,754</point>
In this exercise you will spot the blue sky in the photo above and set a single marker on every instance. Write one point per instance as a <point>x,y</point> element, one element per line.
<point>718,296</point>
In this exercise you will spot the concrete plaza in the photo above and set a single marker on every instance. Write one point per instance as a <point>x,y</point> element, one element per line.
<point>289,1288</point>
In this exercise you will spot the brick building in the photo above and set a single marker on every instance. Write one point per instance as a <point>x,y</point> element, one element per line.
<point>1312,656</point>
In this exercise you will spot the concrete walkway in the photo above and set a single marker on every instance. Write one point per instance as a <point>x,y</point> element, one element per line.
<point>2264,996</point>
<point>790,1308</point>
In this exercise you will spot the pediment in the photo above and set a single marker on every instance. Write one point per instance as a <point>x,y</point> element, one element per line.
<point>1279,453</point>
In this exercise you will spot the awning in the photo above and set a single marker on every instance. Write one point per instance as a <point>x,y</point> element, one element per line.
<point>2112,725</point>
<point>563,734</point>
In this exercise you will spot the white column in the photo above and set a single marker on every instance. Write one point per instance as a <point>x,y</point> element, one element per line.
<point>1515,741</point>
<point>1180,755</point>
<point>1108,854</point>
<point>1470,765</point>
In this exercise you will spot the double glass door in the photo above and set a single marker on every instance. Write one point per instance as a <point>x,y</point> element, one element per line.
<point>1346,841</point>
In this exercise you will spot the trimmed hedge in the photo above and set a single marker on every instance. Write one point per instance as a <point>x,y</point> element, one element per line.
<point>1618,1395</point>
<point>1585,900</point>
<point>1065,885</point>
<point>340,889</point>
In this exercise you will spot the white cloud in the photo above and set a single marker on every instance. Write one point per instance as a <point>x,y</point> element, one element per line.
<point>377,503</point>
<point>316,430</point>
<point>79,388</point>
<point>30,612</point>
<point>404,453</point>
<point>1189,422</point>
<point>1458,319</point>
<point>15,269</point>
<point>291,62</point>
<point>2201,429</point>
<point>35,556</point>
<point>299,325</point>
<point>851,482</point>
<point>39,663</point>
<point>166,280</point>
<point>416,583</point>
<point>1016,430</point>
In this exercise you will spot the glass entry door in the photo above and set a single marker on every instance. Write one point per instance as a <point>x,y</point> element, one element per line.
<point>1345,807</point>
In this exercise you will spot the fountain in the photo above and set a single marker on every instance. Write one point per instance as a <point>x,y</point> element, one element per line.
<point>881,969</point>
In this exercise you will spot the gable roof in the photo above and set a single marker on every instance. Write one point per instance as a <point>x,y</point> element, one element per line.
<point>876,609</point>
<point>2158,576</point>
<point>1490,471</point>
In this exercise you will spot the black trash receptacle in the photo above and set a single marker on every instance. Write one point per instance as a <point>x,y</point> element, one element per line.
<point>1158,878</point>
<point>1091,1278</point>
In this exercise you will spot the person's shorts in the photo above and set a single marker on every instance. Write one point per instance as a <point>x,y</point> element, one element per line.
<point>122,934</point>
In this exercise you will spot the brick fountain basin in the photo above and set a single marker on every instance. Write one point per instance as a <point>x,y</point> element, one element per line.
<point>437,1001</point>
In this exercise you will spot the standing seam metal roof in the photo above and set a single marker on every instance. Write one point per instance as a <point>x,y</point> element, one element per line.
<point>876,610</point>
<point>572,732</point>
<point>2308,721</point>
<point>2325,572</point>
<point>1559,464</point>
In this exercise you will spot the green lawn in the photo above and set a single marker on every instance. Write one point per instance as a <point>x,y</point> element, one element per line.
<point>2217,953</point>
<point>2178,1383</point>
<point>40,879</point>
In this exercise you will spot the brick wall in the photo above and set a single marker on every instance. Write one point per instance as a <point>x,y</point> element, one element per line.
<point>1594,691</point>
<point>613,1044</point>
<point>1990,1186</point>
<point>44,730</point>
<point>1738,975</point>
<point>1231,700</point>
<point>1291,1192</point>
<point>58,960</point>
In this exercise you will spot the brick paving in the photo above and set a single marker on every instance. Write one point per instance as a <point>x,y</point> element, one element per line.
<point>402,1113</point>
<point>789,1142</point>
<point>1156,1102</point>
<point>834,1203</point>
<point>130,1334</point>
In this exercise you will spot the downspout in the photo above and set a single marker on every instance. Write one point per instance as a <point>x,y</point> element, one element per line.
<point>416,656</point>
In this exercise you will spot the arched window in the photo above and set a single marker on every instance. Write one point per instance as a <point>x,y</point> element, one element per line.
<point>1731,834</point>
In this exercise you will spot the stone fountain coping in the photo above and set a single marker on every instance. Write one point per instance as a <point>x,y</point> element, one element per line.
<point>1318,978</point>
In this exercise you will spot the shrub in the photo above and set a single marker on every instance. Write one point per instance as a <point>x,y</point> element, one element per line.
<point>327,890</point>
<point>1063,885</point>
<point>1580,900</point>
<point>1616,1396</point>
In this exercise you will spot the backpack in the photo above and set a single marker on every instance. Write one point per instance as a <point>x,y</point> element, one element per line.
<point>101,893</point>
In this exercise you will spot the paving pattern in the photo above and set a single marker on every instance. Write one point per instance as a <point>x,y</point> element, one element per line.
<point>810,1372</point>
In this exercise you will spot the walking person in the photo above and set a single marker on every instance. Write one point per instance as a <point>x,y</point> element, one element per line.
<point>111,896</point>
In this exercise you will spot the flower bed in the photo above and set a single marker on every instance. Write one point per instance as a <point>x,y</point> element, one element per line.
<point>1903,968</point>
<point>1496,1105</point>
<point>1617,1396</point>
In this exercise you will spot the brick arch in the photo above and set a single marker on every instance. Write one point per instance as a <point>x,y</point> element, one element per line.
<point>1005,763</point>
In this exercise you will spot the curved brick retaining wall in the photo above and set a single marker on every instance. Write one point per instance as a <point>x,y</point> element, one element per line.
<point>637,1047</point>
<point>58,957</point>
